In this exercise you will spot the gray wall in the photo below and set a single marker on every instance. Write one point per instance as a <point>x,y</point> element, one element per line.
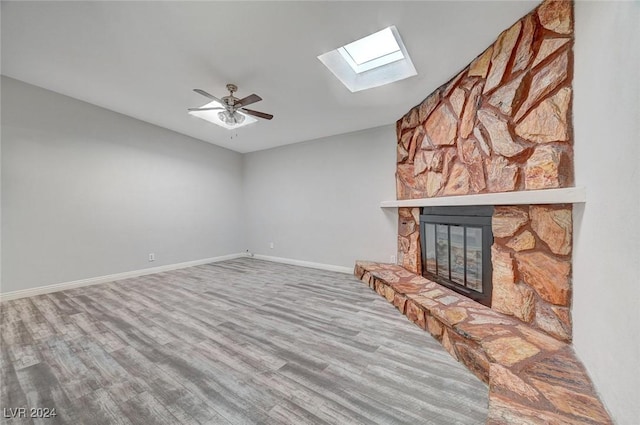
<point>87,192</point>
<point>606,264</point>
<point>319,201</point>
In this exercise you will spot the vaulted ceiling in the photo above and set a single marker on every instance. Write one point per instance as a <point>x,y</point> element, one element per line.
<point>144,58</point>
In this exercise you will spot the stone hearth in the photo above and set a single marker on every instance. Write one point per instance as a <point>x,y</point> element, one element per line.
<point>533,378</point>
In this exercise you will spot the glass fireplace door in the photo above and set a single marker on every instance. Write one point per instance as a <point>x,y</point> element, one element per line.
<point>456,249</point>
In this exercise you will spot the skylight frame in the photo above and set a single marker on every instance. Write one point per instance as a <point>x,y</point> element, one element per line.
<point>212,116</point>
<point>375,50</point>
<point>381,75</point>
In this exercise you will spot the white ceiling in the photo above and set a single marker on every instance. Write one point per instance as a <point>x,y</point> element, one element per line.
<point>143,59</point>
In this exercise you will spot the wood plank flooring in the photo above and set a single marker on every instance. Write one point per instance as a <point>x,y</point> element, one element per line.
<point>238,342</point>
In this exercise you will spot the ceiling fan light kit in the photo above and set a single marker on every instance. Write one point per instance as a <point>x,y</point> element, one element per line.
<point>229,112</point>
<point>231,119</point>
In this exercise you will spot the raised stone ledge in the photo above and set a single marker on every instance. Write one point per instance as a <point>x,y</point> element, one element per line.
<point>532,377</point>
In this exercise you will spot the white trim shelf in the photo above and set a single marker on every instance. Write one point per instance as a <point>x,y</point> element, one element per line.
<point>569,195</point>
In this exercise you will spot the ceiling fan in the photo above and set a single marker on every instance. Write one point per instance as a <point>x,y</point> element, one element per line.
<point>230,105</point>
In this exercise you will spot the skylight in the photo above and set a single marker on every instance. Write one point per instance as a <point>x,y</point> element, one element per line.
<point>372,51</point>
<point>214,116</point>
<point>375,60</point>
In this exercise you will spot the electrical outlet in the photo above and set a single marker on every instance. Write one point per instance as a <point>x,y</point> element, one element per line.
<point>271,245</point>
<point>393,259</point>
<point>152,257</point>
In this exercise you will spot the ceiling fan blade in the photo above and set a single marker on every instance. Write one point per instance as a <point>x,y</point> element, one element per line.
<point>204,109</point>
<point>252,98</point>
<point>257,114</point>
<point>210,96</point>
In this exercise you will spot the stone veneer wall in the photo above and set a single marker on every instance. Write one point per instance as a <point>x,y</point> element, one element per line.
<point>536,287</point>
<point>503,124</point>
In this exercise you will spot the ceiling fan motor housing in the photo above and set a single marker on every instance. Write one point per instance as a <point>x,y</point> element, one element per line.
<point>229,100</point>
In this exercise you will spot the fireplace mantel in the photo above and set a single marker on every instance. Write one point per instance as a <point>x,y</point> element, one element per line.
<point>569,195</point>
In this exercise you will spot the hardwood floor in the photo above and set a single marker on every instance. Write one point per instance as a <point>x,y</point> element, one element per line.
<point>238,342</point>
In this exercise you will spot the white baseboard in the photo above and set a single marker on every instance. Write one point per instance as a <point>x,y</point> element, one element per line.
<point>321,266</point>
<point>40,290</point>
<point>111,277</point>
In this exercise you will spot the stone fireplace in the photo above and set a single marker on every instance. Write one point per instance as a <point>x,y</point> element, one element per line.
<point>496,138</point>
<point>503,124</point>
<point>530,262</point>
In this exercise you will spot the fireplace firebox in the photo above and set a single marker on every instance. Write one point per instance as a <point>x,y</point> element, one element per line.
<point>456,249</point>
